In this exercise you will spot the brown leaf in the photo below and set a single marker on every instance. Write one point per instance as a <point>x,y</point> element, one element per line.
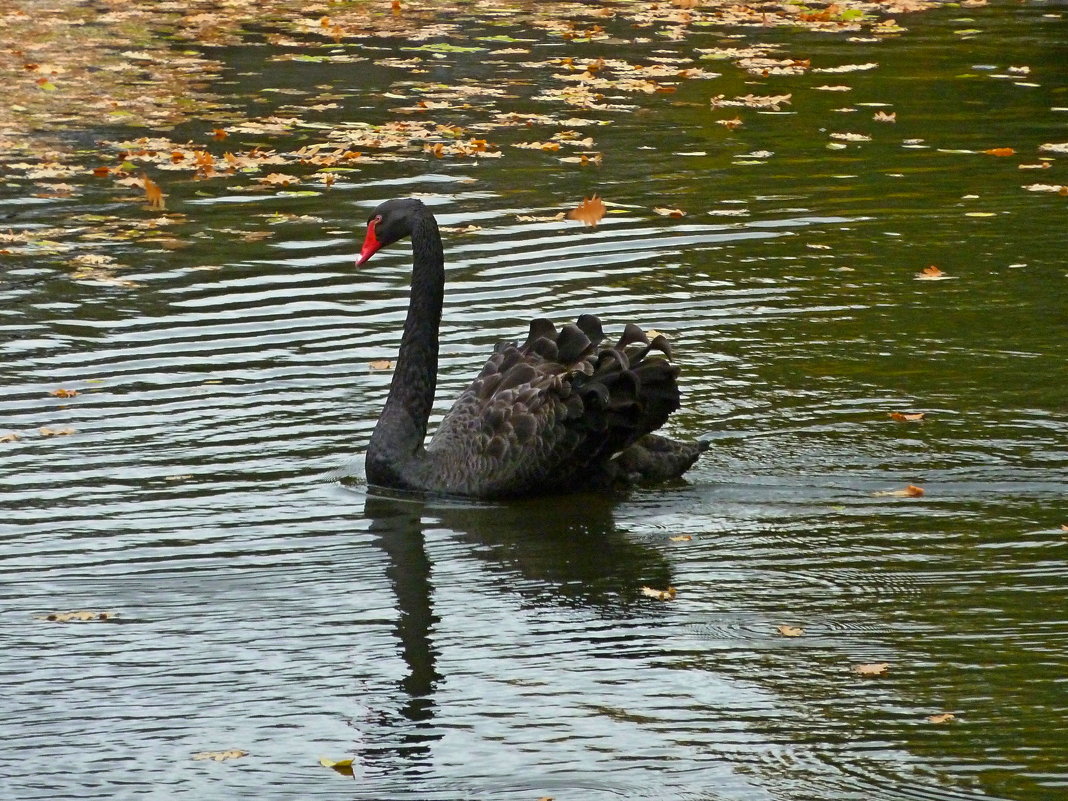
<point>381,364</point>
<point>943,717</point>
<point>660,595</point>
<point>221,756</point>
<point>63,393</point>
<point>873,669</point>
<point>589,212</point>
<point>681,538</point>
<point>907,417</point>
<point>790,631</point>
<point>10,436</point>
<point>1000,151</point>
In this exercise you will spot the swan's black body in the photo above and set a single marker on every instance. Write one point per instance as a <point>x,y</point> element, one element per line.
<point>560,412</point>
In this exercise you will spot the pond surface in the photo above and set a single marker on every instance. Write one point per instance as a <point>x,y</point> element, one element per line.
<point>210,496</point>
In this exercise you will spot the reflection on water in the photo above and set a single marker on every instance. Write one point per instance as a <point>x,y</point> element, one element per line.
<point>506,651</point>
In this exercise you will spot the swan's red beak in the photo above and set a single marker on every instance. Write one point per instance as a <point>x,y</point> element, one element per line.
<point>370,242</point>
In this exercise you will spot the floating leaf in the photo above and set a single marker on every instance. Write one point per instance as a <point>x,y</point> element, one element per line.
<point>680,537</point>
<point>63,393</point>
<point>906,417</point>
<point>911,491</point>
<point>10,436</point>
<point>220,756</point>
<point>932,273</point>
<point>80,616</point>
<point>790,631</point>
<point>55,432</point>
<point>1000,151</point>
<point>872,669</point>
<point>664,212</point>
<point>342,766</point>
<point>943,717</point>
<point>153,194</point>
<point>882,116</point>
<point>589,212</point>
<point>660,595</point>
<point>381,364</point>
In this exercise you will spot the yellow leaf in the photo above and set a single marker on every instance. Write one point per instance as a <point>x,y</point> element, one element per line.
<point>790,631</point>
<point>660,595</point>
<point>874,669</point>
<point>342,766</point>
<point>63,393</point>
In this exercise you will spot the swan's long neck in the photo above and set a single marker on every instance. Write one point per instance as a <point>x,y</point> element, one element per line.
<point>401,429</point>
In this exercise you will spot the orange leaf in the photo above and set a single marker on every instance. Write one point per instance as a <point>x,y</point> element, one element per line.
<point>911,491</point>
<point>874,669</point>
<point>906,417</point>
<point>219,133</point>
<point>1000,151</point>
<point>101,172</point>
<point>153,193</point>
<point>660,595</point>
<point>381,364</point>
<point>944,717</point>
<point>589,212</point>
<point>63,393</point>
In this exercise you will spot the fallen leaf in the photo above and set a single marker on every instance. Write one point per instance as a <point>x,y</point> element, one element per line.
<point>943,717</point>
<point>660,595</point>
<point>63,393</point>
<point>342,766</point>
<point>589,211</point>
<point>873,669</point>
<point>680,537</point>
<point>1000,151</point>
<point>664,212</point>
<point>153,193</point>
<point>10,436</point>
<point>55,432</point>
<point>220,756</point>
<point>907,417</point>
<point>882,116</point>
<point>381,364</point>
<point>932,273</point>
<point>83,615</point>
<point>911,491</point>
<point>790,631</point>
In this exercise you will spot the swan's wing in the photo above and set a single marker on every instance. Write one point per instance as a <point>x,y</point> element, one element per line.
<point>547,412</point>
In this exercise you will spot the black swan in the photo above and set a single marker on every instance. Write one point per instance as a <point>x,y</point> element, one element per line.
<point>559,413</point>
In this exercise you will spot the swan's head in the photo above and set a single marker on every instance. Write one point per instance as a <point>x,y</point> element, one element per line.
<point>391,221</point>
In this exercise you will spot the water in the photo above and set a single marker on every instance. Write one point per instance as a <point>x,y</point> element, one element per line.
<point>265,600</point>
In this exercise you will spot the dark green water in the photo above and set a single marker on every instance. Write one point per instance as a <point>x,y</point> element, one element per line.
<point>505,651</point>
